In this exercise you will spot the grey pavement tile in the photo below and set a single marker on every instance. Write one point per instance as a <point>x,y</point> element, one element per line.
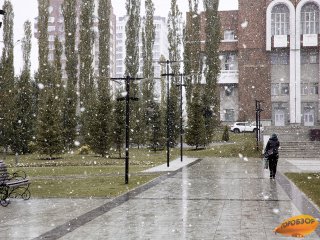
<point>256,234</point>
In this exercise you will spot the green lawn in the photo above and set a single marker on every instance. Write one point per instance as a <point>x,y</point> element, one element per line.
<point>75,175</point>
<point>89,186</point>
<point>309,183</point>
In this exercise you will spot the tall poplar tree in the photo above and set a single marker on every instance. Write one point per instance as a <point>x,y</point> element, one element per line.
<point>192,48</point>
<point>132,34</point>
<point>42,76</point>
<point>147,98</point>
<point>23,124</point>
<point>7,79</point>
<point>195,134</point>
<point>43,49</point>
<point>132,30</point>
<point>50,128</point>
<point>119,126</point>
<point>86,78</point>
<point>174,39</point>
<point>70,98</point>
<point>211,97</point>
<point>100,131</point>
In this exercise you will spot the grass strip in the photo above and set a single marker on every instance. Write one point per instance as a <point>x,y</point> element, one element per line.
<point>100,186</point>
<point>309,183</point>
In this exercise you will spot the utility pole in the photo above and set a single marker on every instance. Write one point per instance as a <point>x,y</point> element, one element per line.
<point>127,98</point>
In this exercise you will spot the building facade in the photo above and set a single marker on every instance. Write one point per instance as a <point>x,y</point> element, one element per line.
<point>270,52</point>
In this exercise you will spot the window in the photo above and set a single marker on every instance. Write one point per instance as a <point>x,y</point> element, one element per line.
<point>304,88</point>
<point>50,57</point>
<point>156,55</point>
<point>61,38</point>
<point>229,90</point>
<point>51,28</point>
<point>229,35</point>
<point>309,58</point>
<point>284,90</point>
<point>309,88</point>
<point>51,20</point>
<point>279,89</point>
<point>50,9</point>
<point>51,38</point>
<point>229,62</point>
<point>229,115</point>
<point>310,19</point>
<point>279,58</point>
<point>314,88</point>
<point>275,89</point>
<point>280,20</point>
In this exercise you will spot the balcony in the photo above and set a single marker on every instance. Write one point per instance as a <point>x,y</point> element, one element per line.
<point>280,41</point>
<point>310,40</point>
<point>228,77</point>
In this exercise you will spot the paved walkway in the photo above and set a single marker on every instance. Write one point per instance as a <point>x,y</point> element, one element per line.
<point>209,199</point>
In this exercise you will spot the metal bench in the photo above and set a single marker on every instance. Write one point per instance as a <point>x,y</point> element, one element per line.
<point>12,185</point>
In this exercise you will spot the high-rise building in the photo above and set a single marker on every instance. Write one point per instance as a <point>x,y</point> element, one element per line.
<point>160,45</point>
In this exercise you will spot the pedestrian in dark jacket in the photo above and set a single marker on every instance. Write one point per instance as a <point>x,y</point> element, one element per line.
<point>272,153</point>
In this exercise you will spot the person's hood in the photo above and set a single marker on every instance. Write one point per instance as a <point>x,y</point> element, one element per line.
<point>274,136</point>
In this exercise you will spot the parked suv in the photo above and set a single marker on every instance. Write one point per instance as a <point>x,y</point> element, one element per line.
<point>238,127</point>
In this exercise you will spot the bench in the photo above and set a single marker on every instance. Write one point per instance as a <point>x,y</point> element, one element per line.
<point>12,185</point>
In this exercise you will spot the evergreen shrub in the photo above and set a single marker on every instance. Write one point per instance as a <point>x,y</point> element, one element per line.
<point>225,135</point>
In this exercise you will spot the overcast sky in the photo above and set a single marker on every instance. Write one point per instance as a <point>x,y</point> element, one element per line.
<point>28,10</point>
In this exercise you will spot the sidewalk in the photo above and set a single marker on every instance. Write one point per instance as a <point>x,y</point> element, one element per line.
<point>209,199</point>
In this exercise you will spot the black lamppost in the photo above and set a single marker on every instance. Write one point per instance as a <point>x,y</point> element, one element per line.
<point>258,111</point>
<point>168,112</point>
<point>127,98</point>
<point>181,120</point>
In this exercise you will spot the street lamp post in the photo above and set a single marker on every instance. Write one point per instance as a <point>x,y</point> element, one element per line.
<point>127,98</point>
<point>168,105</point>
<point>258,111</point>
<point>168,112</point>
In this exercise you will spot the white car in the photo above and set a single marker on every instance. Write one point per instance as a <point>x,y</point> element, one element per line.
<point>239,127</point>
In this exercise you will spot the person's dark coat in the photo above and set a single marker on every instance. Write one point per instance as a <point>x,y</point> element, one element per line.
<point>274,144</point>
<point>273,157</point>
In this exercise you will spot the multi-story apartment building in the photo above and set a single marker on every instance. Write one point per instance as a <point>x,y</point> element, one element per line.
<point>160,45</point>
<point>56,28</point>
<point>270,52</point>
